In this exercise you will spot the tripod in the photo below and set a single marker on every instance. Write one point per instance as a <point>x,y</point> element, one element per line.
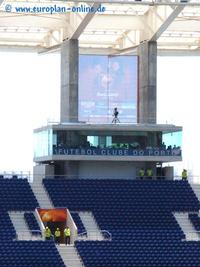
<point>115,119</point>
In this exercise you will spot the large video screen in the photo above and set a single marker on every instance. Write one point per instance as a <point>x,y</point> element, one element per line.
<point>106,82</point>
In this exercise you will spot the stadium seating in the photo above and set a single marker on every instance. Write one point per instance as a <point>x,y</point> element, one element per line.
<point>115,194</point>
<point>16,195</point>
<point>138,214</point>
<point>32,223</point>
<point>7,231</point>
<point>194,218</point>
<point>29,254</point>
<point>78,222</point>
<point>139,252</point>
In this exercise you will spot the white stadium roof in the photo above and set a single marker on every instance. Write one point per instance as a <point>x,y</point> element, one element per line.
<point>174,24</point>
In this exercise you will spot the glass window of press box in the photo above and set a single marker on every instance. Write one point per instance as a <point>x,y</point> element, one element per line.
<point>43,143</point>
<point>46,142</point>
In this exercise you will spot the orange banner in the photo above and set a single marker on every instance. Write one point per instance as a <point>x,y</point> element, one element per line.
<point>53,215</point>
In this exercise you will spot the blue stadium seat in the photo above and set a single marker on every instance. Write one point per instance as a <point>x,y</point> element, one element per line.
<point>16,195</point>
<point>32,223</point>
<point>138,214</point>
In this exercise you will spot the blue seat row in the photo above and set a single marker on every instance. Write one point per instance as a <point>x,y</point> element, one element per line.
<point>32,223</point>
<point>138,215</point>
<point>16,194</point>
<point>78,222</point>
<point>195,219</point>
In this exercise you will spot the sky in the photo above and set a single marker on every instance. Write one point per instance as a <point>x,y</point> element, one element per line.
<point>30,97</point>
<point>178,97</point>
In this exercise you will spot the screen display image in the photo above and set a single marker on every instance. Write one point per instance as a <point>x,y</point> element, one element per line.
<point>106,82</point>
<point>53,215</point>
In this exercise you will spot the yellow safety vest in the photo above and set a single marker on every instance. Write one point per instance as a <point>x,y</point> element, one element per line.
<point>149,173</point>
<point>141,173</point>
<point>57,233</point>
<point>184,174</point>
<point>67,232</point>
<point>47,232</point>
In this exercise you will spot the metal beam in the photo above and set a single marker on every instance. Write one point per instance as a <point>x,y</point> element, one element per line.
<point>132,2</point>
<point>76,34</point>
<point>142,2</point>
<point>119,22</point>
<point>167,22</point>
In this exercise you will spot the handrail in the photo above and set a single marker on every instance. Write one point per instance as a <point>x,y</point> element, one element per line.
<point>154,177</point>
<point>29,177</point>
<point>95,234</point>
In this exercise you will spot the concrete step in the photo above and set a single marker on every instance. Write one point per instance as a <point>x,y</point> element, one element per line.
<point>186,226</point>
<point>70,256</point>
<point>92,229</point>
<point>41,195</point>
<point>20,226</point>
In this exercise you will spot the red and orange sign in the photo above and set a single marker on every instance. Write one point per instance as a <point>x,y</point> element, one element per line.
<point>53,215</point>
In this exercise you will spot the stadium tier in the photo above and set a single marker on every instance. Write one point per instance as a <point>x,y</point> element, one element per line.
<point>32,223</point>
<point>7,231</point>
<point>78,222</point>
<point>194,218</point>
<point>122,195</point>
<point>139,216</point>
<point>29,254</point>
<point>16,195</point>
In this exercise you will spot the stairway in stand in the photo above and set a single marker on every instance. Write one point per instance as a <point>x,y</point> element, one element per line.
<point>41,193</point>
<point>21,228</point>
<point>186,226</point>
<point>93,231</point>
<point>70,256</point>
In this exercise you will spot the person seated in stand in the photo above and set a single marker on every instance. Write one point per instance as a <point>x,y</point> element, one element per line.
<point>115,114</point>
<point>184,175</point>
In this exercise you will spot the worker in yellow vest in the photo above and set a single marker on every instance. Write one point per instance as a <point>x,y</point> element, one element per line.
<point>149,173</point>
<point>47,233</point>
<point>184,174</point>
<point>67,234</point>
<point>141,173</point>
<point>57,235</point>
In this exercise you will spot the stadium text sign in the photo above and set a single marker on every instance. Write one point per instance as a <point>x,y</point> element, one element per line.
<point>116,152</point>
